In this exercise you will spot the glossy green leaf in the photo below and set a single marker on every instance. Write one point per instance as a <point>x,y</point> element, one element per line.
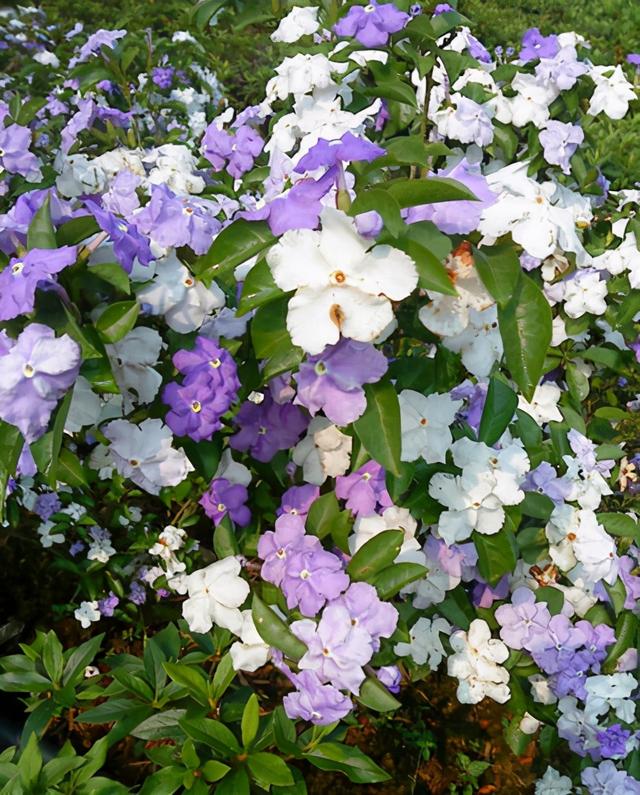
<point>499,408</point>
<point>11,444</point>
<point>346,759</point>
<point>225,542</point>
<point>250,720</point>
<point>626,638</point>
<point>212,733</point>
<point>525,328</point>
<point>379,427</point>
<point>497,554</point>
<point>384,204</point>
<point>41,233</point>
<point>117,320</point>
<point>76,230</point>
<point>46,449</point>
<point>237,243</point>
<point>620,524</point>
<point>274,631</point>
<point>432,274</point>
<point>258,288</point>
<point>397,576</point>
<point>375,555</point>
<point>430,190</point>
<point>395,90</point>
<point>500,271</point>
<point>374,694</point>
<point>113,274</point>
<point>268,769</point>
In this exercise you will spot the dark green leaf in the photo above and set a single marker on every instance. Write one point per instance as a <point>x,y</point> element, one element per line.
<point>499,408</point>
<point>11,444</point>
<point>113,274</point>
<point>41,233</point>
<point>117,320</point>
<point>250,720</point>
<point>212,733</point>
<point>274,631</point>
<point>384,204</point>
<point>348,760</point>
<point>379,427</point>
<point>374,694</point>
<point>374,556</point>
<point>269,769</point>
<point>497,554</point>
<point>500,271</point>
<point>430,190</point>
<point>237,243</point>
<point>619,524</point>
<point>258,288</point>
<point>397,576</point>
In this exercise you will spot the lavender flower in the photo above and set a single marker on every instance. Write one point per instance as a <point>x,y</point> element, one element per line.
<point>276,547</point>
<point>21,277</point>
<point>137,593</point>
<point>390,677</point>
<point>196,408</point>
<point>36,372</point>
<point>606,779</point>
<point>524,622</point>
<point>162,76</point>
<point>128,243</point>
<point>297,500</point>
<point>15,157</point>
<point>613,741</point>
<point>108,605</point>
<point>364,489</point>
<point>332,381</point>
<point>560,142</point>
<point>544,480</point>
<point>372,24</point>
<point>535,45</point>
<point>224,498</point>
<point>237,151</point>
<point>369,612</point>
<point>47,504</point>
<point>315,702</point>
<point>311,578</point>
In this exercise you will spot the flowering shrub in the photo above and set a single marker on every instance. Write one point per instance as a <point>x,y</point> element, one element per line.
<point>344,383</point>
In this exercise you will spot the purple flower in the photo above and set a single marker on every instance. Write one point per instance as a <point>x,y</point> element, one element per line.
<point>347,149</point>
<point>332,380</point>
<point>237,151</point>
<point>560,142</point>
<point>631,581</point>
<point>457,217</point>
<point>372,24</point>
<point>634,59</point>
<point>297,500</point>
<point>563,69</point>
<point>76,548</point>
<point>336,649</point>
<point>315,702</point>
<point>81,120</point>
<point>195,407</point>
<point>369,612</point>
<point>137,593</point>
<point>364,489</point>
<point>101,38</point>
<point>477,50</point>
<point>635,347</point>
<point>606,779</point>
<point>613,741</point>
<point>275,547</point>
<point>14,225</point>
<point>311,578</point>
<point>108,605</point>
<point>442,8</point>
<point>484,595</point>
<point>209,359</point>
<point>267,427</point>
<point>37,371</point>
<point>224,498</point>
<point>15,156</point>
<point>47,504</point>
<point>21,277</point>
<point>390,677</point>
<point>535,45</point>
<point>544,480</point>
<point>121,198</point>
<point>585,452</point>
<point>128,243</point>
<point>524,622</point>
<point>475,395</point>
<point>174,221</point>
<point>162,76</point>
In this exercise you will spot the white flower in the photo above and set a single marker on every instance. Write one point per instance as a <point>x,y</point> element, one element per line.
<point>47,58</point>
<point>100,548</point>
<point>87,613</point>
<point>232,470</point>
<point>170,540</point>
<point>471,505</point>
<point>580,723</point>
<point>298,22</point>
<point>541,691</point>
<point>47,538</point>
<point>505,467</point>
<point>424,646</point>
<point>425,422</point>
<point>529,724</point>
<point>552,783</point>
<point>84,408</point>
<point>132,360</point>
<point>585,293</point>
<point>90,671</point>
<point>475,663</point>
<point>480,344</point>
<point>79,176</point>
<point>300,75</point>
<point>613,692</point>
<point>324,452</point>
<point>341,287</point>
<point>174,165</point>
<point>215,595</point>
<point>143,453</point>
<point>544,404</point>
<point>465,120</point>
<point>613,92</point>
<point>180,297</point>
<point>251,652</point>
<point>532,100</point>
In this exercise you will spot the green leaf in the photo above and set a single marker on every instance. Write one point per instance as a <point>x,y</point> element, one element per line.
<point>250,720</point>
<point>274,631</point>
<point>79,659</point>
<point>626,638</point>
<point>374,694</point>
<point>69,469</point>
<point>393,89</point>
<point>107,712</point>
<point>117,320</point>
<point>379,427</point>
<point>113,274</point>
<point>161,725</point>
<point>619,524</point>
<point>212,733</point>
<point>268,769</point>
<point>30,762</point>
<point>410,150</point>
<point>384,204</point>
<point>11,444</point>
<point>237,243</point>
<point>397,576</point>
<point>205,456</point>
<point>430,190</point>
<point>165,781</point>
<point>225,542</point>
<point>500,271</point>
<point>46,449</point>
<point>525,328</point>
<point>52,657</point>
<point>214,770</point>
<point>223,676</point>
<point>191,678</point>
<point>76,230</point>
<point>617,593</point>
<point>348,760</point>
<point>269,334</point>
<point>499,408</point>
<point>236,783</point>
<point>539,506</point>
<point>259,288</point>
<point>41,233</point>
<point>432,274</point>
<point>497,554</point>
<point>374,556</point>
<point>325,517</point>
